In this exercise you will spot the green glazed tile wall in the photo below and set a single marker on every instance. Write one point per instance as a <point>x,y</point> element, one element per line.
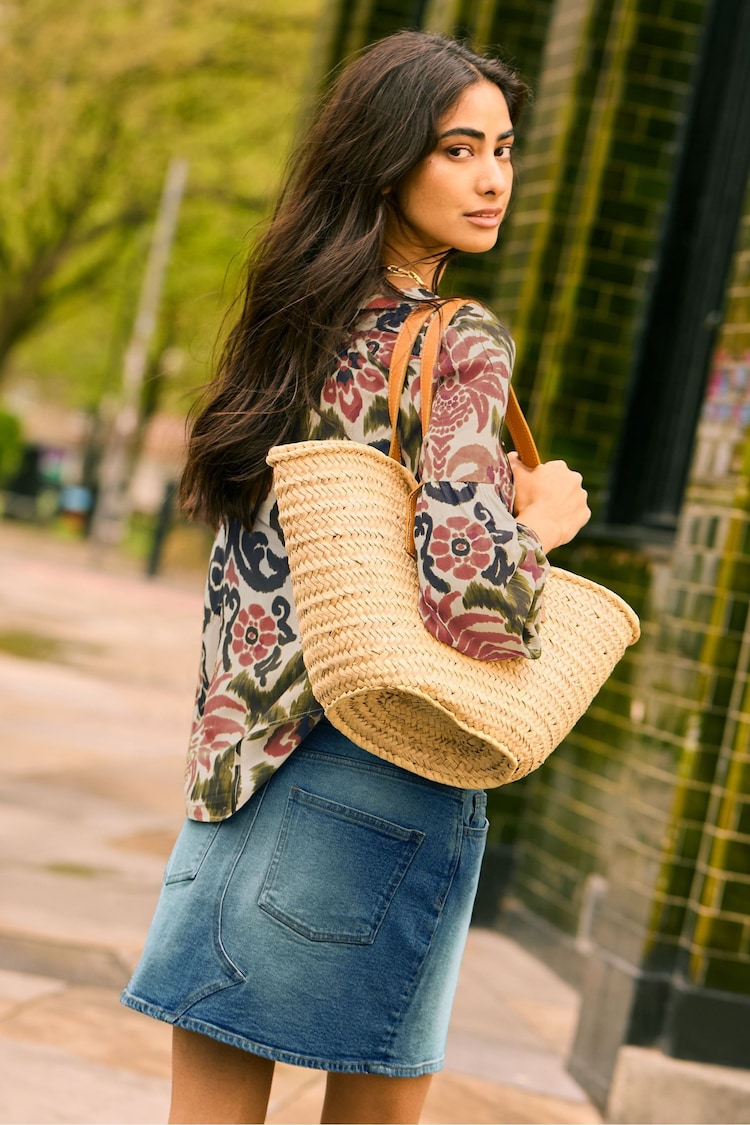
<point>516,30</point>
<point>576,256</point>
<point>714,940</point>
<point>581,790</point>
<point>655,780</point>
<point>592,189</point>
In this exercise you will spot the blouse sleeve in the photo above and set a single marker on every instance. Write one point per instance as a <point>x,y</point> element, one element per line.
<point>481,573</point>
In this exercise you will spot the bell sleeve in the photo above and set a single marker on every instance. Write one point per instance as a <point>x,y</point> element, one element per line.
<point>481,573</point>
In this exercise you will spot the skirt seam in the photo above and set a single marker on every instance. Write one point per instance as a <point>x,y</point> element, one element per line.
<point>408,993</point>
<point>385,768</point>
<point>188,1023</point>
<point>221,949</point>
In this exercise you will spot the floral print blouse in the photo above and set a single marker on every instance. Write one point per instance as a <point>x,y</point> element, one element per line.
<point>481,573</point>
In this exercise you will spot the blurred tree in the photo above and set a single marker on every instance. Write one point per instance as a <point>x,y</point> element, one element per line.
<point>95,98</point>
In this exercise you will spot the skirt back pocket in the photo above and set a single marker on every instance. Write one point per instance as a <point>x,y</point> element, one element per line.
<point>335,869</point>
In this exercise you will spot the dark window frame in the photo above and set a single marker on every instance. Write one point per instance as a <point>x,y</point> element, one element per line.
<point>684,306</point>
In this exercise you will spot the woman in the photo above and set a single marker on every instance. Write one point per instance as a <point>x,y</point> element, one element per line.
<point>317,901</point>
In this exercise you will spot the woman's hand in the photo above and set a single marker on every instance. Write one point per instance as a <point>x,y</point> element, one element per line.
<point>550,500</point>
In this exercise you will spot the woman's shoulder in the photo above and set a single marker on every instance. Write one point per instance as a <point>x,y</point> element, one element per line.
<point>475,341</point>
<point>474,337</point>
<point>474,321</point>
<point>388,311</point>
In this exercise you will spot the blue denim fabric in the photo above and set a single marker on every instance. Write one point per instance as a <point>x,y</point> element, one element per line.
<point>323,924</point>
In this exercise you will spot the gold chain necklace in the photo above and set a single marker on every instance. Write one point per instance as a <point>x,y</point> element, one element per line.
<point>402,271</point>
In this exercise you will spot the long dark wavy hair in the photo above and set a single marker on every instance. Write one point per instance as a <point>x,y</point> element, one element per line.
<point>319,259</point>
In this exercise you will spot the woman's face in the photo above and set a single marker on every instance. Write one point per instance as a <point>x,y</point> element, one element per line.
<point>457,196</point>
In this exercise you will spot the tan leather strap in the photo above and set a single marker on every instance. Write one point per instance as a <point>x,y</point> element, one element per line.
<point>518,427</point>
<point>429,356</point>
<point>523,439</point>
<point>402,352</point>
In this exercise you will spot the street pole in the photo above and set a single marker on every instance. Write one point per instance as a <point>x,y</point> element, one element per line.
<point>111,511</point>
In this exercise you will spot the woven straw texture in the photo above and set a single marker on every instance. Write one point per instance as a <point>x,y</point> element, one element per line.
<point>386,682</point>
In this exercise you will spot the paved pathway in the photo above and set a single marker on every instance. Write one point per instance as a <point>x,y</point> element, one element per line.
<point>96,681</point>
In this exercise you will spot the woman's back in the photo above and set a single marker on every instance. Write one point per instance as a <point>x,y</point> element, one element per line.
<point>254,704</point>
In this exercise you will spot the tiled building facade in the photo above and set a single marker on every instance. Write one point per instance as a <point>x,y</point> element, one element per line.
<point>623,273</point>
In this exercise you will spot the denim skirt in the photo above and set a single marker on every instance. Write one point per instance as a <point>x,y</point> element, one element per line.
<point>323,923</point>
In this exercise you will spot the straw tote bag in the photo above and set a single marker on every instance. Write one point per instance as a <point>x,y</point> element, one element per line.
<point>347,513</point>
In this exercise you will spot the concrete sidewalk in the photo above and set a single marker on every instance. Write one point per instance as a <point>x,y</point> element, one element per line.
<point>97,673</point>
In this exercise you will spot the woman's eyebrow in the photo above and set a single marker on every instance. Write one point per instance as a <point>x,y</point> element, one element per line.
<point>466,132</point>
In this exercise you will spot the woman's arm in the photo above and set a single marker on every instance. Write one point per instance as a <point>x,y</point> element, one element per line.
<point>481,572</point>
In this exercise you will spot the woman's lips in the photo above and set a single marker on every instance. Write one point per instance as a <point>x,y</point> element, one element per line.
<point>484,218</point>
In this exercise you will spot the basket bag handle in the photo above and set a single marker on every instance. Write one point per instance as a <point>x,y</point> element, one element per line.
<point>402,352</point>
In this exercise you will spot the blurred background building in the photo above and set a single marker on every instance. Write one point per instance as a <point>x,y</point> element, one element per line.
<point>624,275</point>
<point>623,272</point>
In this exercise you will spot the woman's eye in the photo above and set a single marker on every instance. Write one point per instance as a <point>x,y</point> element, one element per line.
<point>460,151</point>
<point>504,152</point>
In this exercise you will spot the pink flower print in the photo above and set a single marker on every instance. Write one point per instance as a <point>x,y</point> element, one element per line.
<point>476,633</point>
<point>500,474</point>
<point>254,633</point>
<point>462,400</point>
<point>372,381</point>
<point>460,413</point>
<point>219,726</point>
<point>283,740</point>
<point>221,723</point>
<point>462,547</point>
<point>343,393</point>
<point>231,575</point>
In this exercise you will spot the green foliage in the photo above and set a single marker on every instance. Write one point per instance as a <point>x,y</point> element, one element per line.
<point>95,99</point>
<point>11,444</point>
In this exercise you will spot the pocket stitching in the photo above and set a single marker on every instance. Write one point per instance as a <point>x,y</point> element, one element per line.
<point>188,874</point>
<point>411,838</point>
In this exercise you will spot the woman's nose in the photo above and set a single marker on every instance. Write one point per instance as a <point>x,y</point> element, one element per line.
<point>495,179</point>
